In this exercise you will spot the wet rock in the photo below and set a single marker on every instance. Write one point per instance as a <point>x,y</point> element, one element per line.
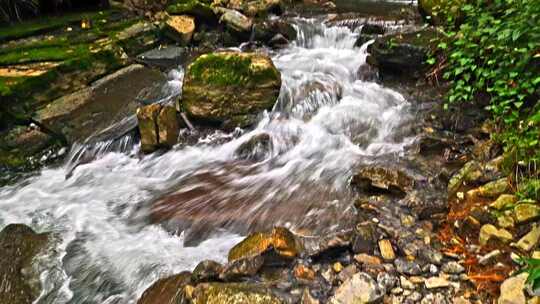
<point>147,118</point>
<point>431,256</point>
<point>167,290</point>
<point>363,39</point>
<point>256,148</point>
<point>491,190</point>
<point>165,58</point>
<point>489,257</point>
<point>278,41</point>
<point>266,30</point>
<point>347,273</point>
<point>436,282</point>
<point>180,28</point>
<point>386,281</point>
<point>236,22</point>
<point>303,272</point>
<point>381,178</point>
<point>367,72</point>
<point>361,288</point>
<point>206,270</point>
<point>364,239</point>
<point>110,99</point>
<point>526,212</point>
<point>363,258</point>
<point>529,240</point>
<point>220,293</point>
<point>230,87</point>
<point>372,29</point>
<point>407,267</point>
<point>387,252</point>
<point>328,244</point>
<point>158,127</point>
<point>512,290</point>
<point>19,245</point>
<point>504,201</point>
<point>469,173</point>
<point>168,126</point>
<point>241,268</point>
<point>452,267</point>
<point>405,283</point>
<point>280,241</point>
<point>402,53</point>
<point>489,231</point>
<point>505,221</point>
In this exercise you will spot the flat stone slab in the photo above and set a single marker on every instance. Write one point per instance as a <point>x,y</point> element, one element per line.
<point>108,100</point>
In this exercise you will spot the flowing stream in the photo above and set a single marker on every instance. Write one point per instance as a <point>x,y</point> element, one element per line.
<point>120,221</point>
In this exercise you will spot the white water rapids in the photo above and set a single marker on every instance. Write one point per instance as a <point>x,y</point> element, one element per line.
<point>324,124</point>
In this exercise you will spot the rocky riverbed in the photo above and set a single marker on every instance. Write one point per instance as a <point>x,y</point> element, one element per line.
<point>249,152</point>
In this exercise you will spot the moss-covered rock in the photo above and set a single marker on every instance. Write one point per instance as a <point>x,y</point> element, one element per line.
<point>237,293</point>
<point>526,212</point>
<point>403,53</point>
<point>280,240</point>
<point>167,290</point>
<point>230,87</point>
<point>19,245</point>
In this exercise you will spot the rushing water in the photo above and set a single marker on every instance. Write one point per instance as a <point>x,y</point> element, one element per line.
<point>108,246</point>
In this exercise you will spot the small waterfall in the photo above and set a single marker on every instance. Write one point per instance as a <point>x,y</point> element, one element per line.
<point>115,214</point>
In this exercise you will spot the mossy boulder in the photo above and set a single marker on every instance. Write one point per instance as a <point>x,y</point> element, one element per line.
<point>238,293</point>
<point>167,290</point>
<point>230,88</point>
<point>403,53</point>
<point>279,240</point>
<point>19,245</point>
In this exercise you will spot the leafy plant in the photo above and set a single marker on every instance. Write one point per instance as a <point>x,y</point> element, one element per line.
<point>15,10</point>
<point>532,267</point>
<point>495,52</point>
<point>529,189</point>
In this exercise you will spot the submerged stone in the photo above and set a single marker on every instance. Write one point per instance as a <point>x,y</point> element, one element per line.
<point>256,148</point>
<point>19,245</point>
<point>230,88</point>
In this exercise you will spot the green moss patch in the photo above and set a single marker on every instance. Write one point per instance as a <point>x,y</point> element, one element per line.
<point>226,70</point>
